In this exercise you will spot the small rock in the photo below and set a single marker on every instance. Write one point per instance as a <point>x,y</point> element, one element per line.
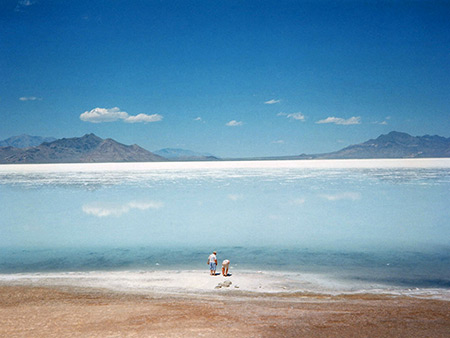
<point>227,283</point>
<point>236,286</point>
<point>218,286</point>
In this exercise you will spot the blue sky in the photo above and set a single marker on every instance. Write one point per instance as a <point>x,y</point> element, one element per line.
<point>232,78</point>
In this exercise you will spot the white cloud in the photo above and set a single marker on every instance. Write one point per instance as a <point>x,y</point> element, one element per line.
<point>294,116</point>
<point>352,196</point>
<point>234,123</point>
<point>272,101</point>
<point>30,98</point>
<point>278,142</point>
<point>341,121</point>
<point>199,119</point>
<point>99,115</point>
<point>383,123</point>
<point>143,118</point>
<point>145,205</point>
<point>103,210</point>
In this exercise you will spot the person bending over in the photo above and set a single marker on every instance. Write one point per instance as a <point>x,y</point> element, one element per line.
<point>225,265</point>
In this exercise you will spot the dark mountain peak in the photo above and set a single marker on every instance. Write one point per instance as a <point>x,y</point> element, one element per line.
<point>408,140</point>
<point>91,138</point>
<point>109,150</point>
<point>80,144</point>
<point>398,134</point>
<point>91,135</point>
<point>395,136</point>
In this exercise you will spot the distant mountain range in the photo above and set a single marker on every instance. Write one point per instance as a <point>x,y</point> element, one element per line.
<point>395,145</point>
<point>91,148</point>
<point>392,145</point>
<point>25,141</point>
<point>184,155</point>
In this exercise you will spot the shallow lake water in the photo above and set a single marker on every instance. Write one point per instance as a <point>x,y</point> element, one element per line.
<point>380,221</point>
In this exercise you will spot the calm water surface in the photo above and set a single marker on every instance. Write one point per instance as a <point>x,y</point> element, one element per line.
<point>373,220</point>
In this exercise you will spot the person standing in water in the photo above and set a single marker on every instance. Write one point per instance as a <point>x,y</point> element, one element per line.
<point>212,261</point>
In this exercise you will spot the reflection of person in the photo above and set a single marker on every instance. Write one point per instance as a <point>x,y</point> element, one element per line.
<point>225,265</point>
<point>212,261</point>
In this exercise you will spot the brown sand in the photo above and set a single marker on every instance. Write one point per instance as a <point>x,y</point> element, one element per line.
<point>50,312</point>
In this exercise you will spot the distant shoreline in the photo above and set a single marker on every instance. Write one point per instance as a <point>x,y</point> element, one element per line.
<point>438,162</point>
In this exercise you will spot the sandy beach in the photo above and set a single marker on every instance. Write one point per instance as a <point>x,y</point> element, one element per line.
<point>70,312</point>
<point>189,304</point>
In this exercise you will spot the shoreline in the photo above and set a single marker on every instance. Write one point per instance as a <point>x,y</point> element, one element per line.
<point>58,311</point>
<point>193,283</point>
<point>386,163</point>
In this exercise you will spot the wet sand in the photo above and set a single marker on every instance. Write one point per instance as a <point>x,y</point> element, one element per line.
<point>27,311</point>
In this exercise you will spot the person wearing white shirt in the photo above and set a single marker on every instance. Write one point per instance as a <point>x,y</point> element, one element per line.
<point>212,261</point>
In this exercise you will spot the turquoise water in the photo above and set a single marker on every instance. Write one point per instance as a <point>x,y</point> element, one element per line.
<point>380,221</point>
<point>391,268</point>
